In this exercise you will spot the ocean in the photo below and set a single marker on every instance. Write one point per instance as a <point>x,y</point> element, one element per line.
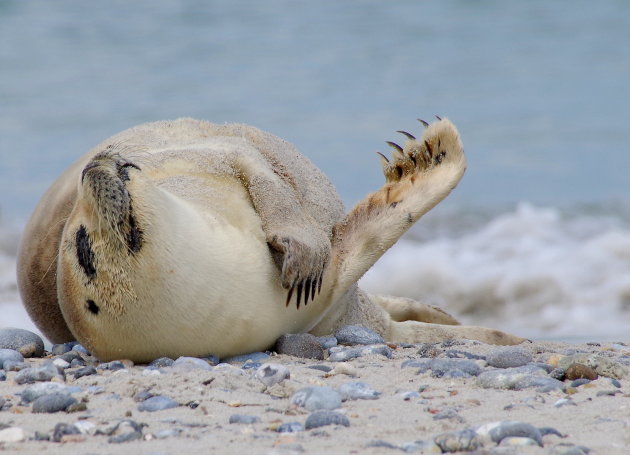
<point>535,239</point>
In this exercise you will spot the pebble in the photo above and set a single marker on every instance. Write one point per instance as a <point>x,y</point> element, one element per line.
<point>429,350</point>
<point>62,348</point>
<point>39,374</point>
<point>358,391</point>
<point>64,429</point>
<point>53,402</point>
<point>579,382</point>
<point>191,363</point>
<point>448,413</point>
<point>290,427</point>
<point>80,348</point>
<point>602,365</point>
<point>3,376</point>
<point>455,354</point>
<point>562,449</point>
<point>341,354</point>
<point>271,373</point>
<point>35,391</point>
<point>70,356</point>
<point>458,441</point>
<point>580,371</point>
<point>61,363</point>
<point>85,371</point>
<point>564,402</point>
<point>27,343</point>
<point>12,434</point>
<point>112,366</point>
<point>445,367</point>
<point>316,398</point>
<point>253,357</point>
<point>497,431</point>
<point>157,403</point>
<point>344,368</point>
<point>246,419</point>
<point>162,362</point>
<point>508,357</point>
<point>324,368</point>
<point>85,427</point>
<point>407,396</point>
<point>125,437</point>
<point>422,446</point>
<point>12,365</point>
<point>328,342</point>
<point>357,334</point>
<point>517,441</point>
<point>168,433</point>
<point>10,354</point>
<point>322,418</point>
<point>302,345</point>
<point>517,378</point>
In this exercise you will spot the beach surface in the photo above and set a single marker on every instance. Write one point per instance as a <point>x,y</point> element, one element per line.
<point>379,399</point>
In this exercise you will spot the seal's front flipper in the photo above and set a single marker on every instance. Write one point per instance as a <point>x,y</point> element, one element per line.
<point>301,266</point>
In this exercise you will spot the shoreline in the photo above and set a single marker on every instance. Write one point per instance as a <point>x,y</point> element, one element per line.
<point>407,402</point>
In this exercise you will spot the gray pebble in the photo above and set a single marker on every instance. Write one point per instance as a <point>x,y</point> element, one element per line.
<point>448,413</point>
<point>271,373</point>
<point>540,383</point>
<point>246,419</point>
<point>191,363</point>
<point>290,427</point>
<point>302,345</point>
<point>448,367</point>
<point>62,348</point>
<point>508,357</point>
<point>60,363</point>
<point>557,373</point>
<point>143,395</point>
<point>10,354</point>
<point>253,357</point>
<point>125,437</point>
<point>315,398</point>
<point>564,402</point>
<point>114,365</point>
<point>579,382</point>
<point>3,376</point>
<point>357,334</point>
<point>340,354</point>
<point>162,362</point>
<point>12,365</point>
<point>157,403</point>
<point>458,441</point>
<point>327,342</point>
<point>322,418</point>
<point>497,431</point>
<point>507,378</point>
<point>358,391</point>
<point>422,446</point>
<point>53,402</point>
<point>456,354</point>
<point>561,449</point>
<point>407,396</point>
<point>63,429</point>
<point>39,374</point>
<point>249,365</point>
<point>85,371</point>
<point>70,356</point>
<point>381,444</point>
<point>27,343</point>
<point>168,433</point>
<point>35,391</point>
<point>615,383</point>
<point>324,368</point>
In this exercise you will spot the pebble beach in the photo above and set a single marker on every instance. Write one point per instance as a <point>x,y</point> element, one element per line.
<point>347,393</point>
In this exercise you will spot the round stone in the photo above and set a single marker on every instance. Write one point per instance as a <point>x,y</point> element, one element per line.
<point>157,403</point>
<point>358,391</point>
<point>191,363</point>
<point>302,345</point>
<point>53,402</point>
<point>10,354</point>
<point>27,343</point>
<point>323,418</point>
<point>246,419</point>
<point>12,434</point>
<point>580,371</point>
<point>508,357</point>
<point>40,389</point>
<point>315,398</point>
<point>270,374</point>
<point>357,334</point>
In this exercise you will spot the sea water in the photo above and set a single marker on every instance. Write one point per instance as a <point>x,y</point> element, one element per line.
<point>534,240</point>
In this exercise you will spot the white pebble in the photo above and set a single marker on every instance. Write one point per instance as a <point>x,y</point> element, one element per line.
<point>12,434</point>
<point>61,363</point>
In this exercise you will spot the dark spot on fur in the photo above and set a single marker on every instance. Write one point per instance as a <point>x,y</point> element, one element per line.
<point>399,171</point>
<point>394,204</point>
<point>135,236</point>
<point>93,307</point>
<point>409,218</point>
<point>439,157</point>
<point>85,255</point>
<point>123,170</point>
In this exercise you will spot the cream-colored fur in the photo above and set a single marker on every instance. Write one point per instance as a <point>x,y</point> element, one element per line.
<point>188,238</point>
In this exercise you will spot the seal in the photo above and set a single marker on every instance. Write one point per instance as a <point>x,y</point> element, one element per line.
<point>186,238</point>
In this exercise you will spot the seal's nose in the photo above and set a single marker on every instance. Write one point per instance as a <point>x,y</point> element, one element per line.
<point>91,165</point>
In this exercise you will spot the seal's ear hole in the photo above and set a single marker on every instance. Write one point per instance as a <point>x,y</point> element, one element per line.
<point>93,307</point>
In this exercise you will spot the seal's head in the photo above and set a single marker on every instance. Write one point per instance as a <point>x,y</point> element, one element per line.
<point>101,246</point>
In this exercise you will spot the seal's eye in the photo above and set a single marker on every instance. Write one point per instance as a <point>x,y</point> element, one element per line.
<point>93,307</point>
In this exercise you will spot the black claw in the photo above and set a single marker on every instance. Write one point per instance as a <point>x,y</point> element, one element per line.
<point>321,280</point>
<point>428,146</point>
<point>299,293</point>
<point>426,124</point>
<point>307,290</point>
<point>383,156</point>
<point>394,145</point>
<point>290,295</point>
<point>438,117</point>
<point>313,289</point>
<point>409,135</point>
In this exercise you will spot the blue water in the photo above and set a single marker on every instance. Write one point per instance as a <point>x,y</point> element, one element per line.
<point>538,90</point>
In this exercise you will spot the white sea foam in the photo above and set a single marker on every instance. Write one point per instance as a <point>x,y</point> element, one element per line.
<point>531,271</point>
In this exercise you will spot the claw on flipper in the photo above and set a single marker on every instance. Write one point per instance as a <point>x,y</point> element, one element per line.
<point>321,280</point>
<point>426,124</point>
<point>307,290</point>
<point>289,295</point>
<point>438,117</point>
<point>313,288</point>
<point>383,157</point>
<point>394,146</point>
<point>299,293</point>
<point>409,135</point>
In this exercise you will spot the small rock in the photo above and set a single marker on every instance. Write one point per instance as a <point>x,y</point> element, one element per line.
<point>357,334</point>
<point>341,354</point>
<point>497,431</point>
<point>344,368</point>
<point>557,373</point>
<point>507,378</point>
<point>10,354</point>
<point>64,429</point>
<point>456,354</point>
<point>324,368</point>
<point>25,342</point>
<point>143,395</point>
<point>602,365</point>
<point>580,371</point>
<point>85,427</point>
<point>429,350</point>
<point>168,433</point>
<point>70,356</point>
<point>114,365</point>
<point>322,418</point>
<point>12,434</point>
<point>157,403</point>
<point>565,449</point>
<point>60,363</point>
<point>579,382</point>
<point>62,348</point>
<point>508,357</point>
<point>80,348</point>
<point>290,427</point>
<point>246,419</point>
<point>77,363</point>
<point>35,391</point>
<point>615,383</point>
<point>327,342</point>
<point>445,367</point>
<point>253,357</point>
<point>422,446</point>
<point>458,441</point>
<point>381,444</point>
<point>85,371</point>
<point>270,374</point>
<point>407,396</point>
<point>302,345</point>
<point>564,402</point>
<point>125,437</point>
<point>39,374</point>
<point>3,376</point>
<point>191,363</point>
<point>53,402</point>
<point>358,391</point>
<point>517,441</point>
<point>448,413</point>
<point>162,362</point>
<point>12,365</point>
<point>2,402</point>
<point>315,398</point>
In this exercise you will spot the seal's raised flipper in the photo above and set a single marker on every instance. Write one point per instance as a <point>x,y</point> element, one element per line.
<point>422,332</point>
<point>420,175</point>
<point>403,309</point>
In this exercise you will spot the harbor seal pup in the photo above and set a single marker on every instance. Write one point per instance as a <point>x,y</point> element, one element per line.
<point>186,238</point>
